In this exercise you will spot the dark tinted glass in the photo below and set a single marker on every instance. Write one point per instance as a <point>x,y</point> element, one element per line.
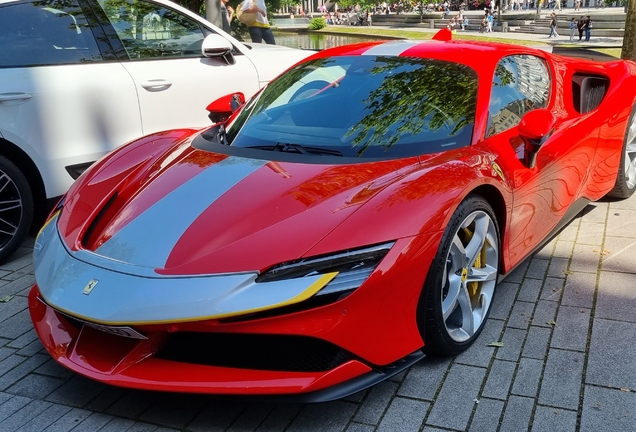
<point>45,33</point>
<point>363,106</point>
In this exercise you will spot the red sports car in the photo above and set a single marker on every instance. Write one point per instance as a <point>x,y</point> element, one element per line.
<point>352,217</point>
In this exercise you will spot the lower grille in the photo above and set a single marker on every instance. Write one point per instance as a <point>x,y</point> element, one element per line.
<point>254,351</point>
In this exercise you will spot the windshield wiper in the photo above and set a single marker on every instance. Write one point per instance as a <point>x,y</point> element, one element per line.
<point>300,149</point>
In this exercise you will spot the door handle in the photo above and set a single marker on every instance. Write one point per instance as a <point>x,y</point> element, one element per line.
<point>15,97</point>
<point>156,85</point>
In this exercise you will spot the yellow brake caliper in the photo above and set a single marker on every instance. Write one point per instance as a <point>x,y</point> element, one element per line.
<point>480,262</point>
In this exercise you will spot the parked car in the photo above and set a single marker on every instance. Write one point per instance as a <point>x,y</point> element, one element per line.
<point>81,77</point>
<point>283,252</point>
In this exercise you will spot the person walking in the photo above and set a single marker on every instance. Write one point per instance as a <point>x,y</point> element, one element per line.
<point>572,29</point>
<point>588,28</point>
<point>553,26</point>
<point>490,19</point>
<point>259,30</point>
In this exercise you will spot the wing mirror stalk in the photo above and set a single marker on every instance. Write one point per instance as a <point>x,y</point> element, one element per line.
<point>534,129</point>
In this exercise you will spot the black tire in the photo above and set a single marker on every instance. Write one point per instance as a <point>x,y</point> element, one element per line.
<point>16,208</point>
<point>626,177</point>
<point>460,285</point>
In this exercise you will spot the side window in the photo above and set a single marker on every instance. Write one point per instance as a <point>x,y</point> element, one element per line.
<point>45,33</point>
<point>521,84</point>
<point>152,31</point>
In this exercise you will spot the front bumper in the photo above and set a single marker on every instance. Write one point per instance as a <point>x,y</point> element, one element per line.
<point>134,363</point>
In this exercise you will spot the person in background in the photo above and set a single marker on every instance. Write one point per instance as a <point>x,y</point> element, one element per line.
<point>588,28</point>
<point>581,27</point>
<point>572,29</point>
<point>227,13</point>
<point>259,30</point>
<point>553,26</point>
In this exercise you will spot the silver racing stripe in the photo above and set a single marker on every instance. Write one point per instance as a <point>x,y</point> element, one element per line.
<point>148,239</point>
<point>391,48</point>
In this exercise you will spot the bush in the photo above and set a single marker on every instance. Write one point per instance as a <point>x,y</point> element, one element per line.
<point>317,23</point>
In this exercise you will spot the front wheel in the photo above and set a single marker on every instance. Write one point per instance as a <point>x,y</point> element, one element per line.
<point>626,176</point>
<point>460,286</point>
<point>16,208</point>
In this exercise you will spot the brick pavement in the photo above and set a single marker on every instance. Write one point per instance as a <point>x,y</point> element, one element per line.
<point>567,318</point>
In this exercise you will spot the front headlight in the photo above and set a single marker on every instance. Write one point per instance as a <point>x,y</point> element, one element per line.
<point>353,268</point>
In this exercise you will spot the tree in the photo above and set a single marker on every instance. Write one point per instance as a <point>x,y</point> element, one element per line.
<point>629,38</point>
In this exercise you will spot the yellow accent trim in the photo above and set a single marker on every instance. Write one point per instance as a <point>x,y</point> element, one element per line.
<point>53,216</point>
<point>497,169</point>
<point>309,292</point>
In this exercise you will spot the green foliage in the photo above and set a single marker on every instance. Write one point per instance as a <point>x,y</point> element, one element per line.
<point>317,23</point>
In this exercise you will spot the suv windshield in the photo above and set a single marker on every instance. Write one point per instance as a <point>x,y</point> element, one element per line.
<point>362,106</point>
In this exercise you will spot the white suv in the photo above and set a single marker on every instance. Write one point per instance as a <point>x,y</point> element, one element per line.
<point>81,77</point>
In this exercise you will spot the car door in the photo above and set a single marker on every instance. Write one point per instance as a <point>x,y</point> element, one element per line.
<point>61,100</point>
<point>174,82</point>
<point>543,193</point>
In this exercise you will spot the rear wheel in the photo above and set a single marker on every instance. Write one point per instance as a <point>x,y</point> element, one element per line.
<point>16,208</point>
<point>626,177</point>
<point>460,285</point>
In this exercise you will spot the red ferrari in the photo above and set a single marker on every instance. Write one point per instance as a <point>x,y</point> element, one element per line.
<point>352,217</point>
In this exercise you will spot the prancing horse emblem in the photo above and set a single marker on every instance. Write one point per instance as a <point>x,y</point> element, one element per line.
<point>90,286</point>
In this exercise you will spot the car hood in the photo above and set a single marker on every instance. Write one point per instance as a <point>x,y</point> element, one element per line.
<point>197,212</point>
<point>268,59</point>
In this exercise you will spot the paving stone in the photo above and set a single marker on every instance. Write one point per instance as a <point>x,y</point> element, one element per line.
<point>563,249</point>
<point>536,345</point>
<point>611,355</point>
<point>17,373</point>
<point>570,232</point>
<point>585,258</point>
<point>77,392</point>
<point>517,414</point>
<point>398,377</point>
<point>172,410</point>
<point>14,264</point>
<point>499,380</point>
<point>17,324</point>
<point>537,269</point>
<point>54,369</point>
<point>8,360</point>
<point>17,284</point>
<point>618,206</point>
<point>23,415</point>
<point>571,329</point>
<point>513,341</point>
<point>9,310</point>
<point>376,403</point>
<point>553,420</point>
<point>579,290</point>
<point>521,315</point>
<point>479,353</point>
<point>545,313</point>
<point>487,415</point>
<point>546,250</point>
<point>359,427</point>
<point>25,275</point>
<point>528,377</point>
<point>621,225</point>
<point>608,410</point>
<point>11,405</point>
<point>562,376</point>
<point>454,404</point>
<point>131,404</point>
<point>530,289</point>
<point>35,386</point>
<point>94,422</point>
<point>252,417</point>
<point>69,420</point>
<point>142,427</point>
<point>356,397</point>
<point>279,418</point>
<point>595,212</point>
<point>620,253</point>
<point>558,267</point>
<point>591,233</point>
<point>117,425</point>
<point>503,301</point>
<point>330,416</point>
<point>424,378</point>
<point>516,276</point>
<point>616,296</point>
<point>404,415</point>
<point>552,289</point>
<point>45,419</point>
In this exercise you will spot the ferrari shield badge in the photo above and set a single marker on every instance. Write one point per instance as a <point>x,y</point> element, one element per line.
<point>497,170</point>
<point>90,286</point>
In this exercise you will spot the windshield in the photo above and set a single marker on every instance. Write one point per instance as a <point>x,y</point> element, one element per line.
<point>362,106</point>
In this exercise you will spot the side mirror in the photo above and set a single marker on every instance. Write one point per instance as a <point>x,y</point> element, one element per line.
<point>534,129</point>
<point>215,45</point>
<point>221,109</point>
